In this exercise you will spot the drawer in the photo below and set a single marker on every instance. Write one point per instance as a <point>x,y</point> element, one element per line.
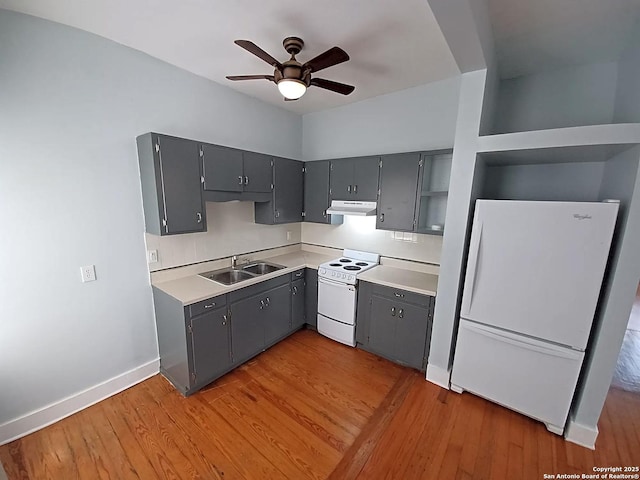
<point>207,305</point>
<point>297,274</point>
<point>401,295</point>
<point>257,288</point>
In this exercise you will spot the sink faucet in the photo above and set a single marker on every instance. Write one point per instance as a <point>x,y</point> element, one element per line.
<point>234,260</point>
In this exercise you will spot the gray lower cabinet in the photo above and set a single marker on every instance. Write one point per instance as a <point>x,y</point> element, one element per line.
<point>398,187</point>
<point>287,198</point>
<point>298,303</point>
<point>170,178</point>
<point>277,314</point>
<point>210,350</point>
<point>395,324</point>
<point>247,327</point>
<point>311,297</point>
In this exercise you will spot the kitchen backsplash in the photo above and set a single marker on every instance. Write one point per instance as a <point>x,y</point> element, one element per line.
<point>359,233</point>
<point>230,231</point>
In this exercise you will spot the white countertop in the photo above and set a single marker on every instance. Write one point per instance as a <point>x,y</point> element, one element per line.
<point>417,282</point>
<point>194,288</point>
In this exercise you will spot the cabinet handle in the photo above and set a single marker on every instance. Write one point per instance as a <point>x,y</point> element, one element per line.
<point>224,321</point>
<point>246,180</point>
<point>211,305</point>
<point>381,217</point>
<point>393,311</point>
<point>198,217</point>
<point>401,313</point>
<point>295,290</point>
<point>324,214</point>
<point>349,189</point>
<point>355,189</point>
<point>268,302</point>
<point>298,274</point>
<point>262,305</point>
<point>399,295</point>
<point>240,179</point>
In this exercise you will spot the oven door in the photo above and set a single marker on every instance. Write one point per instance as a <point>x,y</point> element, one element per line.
<point>337,301</point>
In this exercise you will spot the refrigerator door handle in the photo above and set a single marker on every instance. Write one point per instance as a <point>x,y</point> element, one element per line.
<point>520,342</point>
<point>467,295</point>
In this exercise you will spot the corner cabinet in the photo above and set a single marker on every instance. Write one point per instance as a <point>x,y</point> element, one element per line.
<point>316,193</point>
<point>395,324</point>
<point>287,198</point>
<point>433,190</point>
<point>170,177</point>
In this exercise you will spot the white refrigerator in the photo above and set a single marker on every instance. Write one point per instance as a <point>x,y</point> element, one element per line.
<point>531,287</point>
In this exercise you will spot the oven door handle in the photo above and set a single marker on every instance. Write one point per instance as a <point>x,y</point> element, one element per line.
<point>336,284</point>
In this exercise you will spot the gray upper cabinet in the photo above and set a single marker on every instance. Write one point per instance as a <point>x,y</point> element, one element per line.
<point>316,192</point>
<point>433,188</point>
<point>287,198</point>
<point>398,186</point>
<point>354,179</point>
<point>222,168</point>
<point>257,172</point>
<point>231,170</point>
<point>171,191</point>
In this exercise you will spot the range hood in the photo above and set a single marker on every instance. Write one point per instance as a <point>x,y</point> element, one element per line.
<point>346,207</point>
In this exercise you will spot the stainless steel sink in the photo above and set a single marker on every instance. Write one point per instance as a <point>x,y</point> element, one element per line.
<point>261,268</point>
<point>227,276</point>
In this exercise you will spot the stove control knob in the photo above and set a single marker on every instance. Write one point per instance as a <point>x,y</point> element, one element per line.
<point>352,277</point>
<point>333,274</point>
<point>323,271</point>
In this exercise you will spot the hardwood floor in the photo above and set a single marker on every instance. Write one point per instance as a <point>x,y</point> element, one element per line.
<point>311,408</point>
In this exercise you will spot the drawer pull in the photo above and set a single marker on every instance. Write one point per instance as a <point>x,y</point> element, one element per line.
<point>299,274</point>
<point>211,305</point>
<point>399,295</point>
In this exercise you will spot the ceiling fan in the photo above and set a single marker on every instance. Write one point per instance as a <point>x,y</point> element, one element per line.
<point>292,77</point>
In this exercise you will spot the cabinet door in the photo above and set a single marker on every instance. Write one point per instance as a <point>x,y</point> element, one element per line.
<point>288,184</point>
<point>297,304</point>
<point>398,186</point>
<point>247,327</point>
<point>365,179</point>
<point>311,297</point>
<point>411,334</point>
<point>341,179</point>
<point>210,351</point>
<point>258,176</point>
<point>181,189</point>
<point>316,191</point>
<point>222,168</point>
<point>382,328</point>
<point>277,313</point>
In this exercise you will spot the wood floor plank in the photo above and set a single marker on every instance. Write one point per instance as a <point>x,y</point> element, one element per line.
<point>311,408</point>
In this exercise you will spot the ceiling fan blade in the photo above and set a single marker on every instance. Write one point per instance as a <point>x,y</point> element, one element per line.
<point>331,57</point>
<point>258,52</point>
<point>251,77</point>
<point>337,87</point>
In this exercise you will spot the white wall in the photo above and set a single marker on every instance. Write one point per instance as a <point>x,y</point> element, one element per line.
<point>419,118</point>
<point>231,231</point>
<point>71,106</point>
<point>627,109</point>
<point>359,233</point>
<point>573,96</point>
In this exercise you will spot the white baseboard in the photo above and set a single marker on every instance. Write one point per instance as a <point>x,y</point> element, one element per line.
<point>45,416</point>
<point>438,375</point>
<point>581,434</point>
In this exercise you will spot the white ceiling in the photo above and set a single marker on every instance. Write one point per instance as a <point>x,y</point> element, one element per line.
<point>542,35</point>
<point>393,45</point>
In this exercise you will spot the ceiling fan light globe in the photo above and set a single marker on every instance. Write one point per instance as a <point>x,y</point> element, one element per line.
<point>291,88</point>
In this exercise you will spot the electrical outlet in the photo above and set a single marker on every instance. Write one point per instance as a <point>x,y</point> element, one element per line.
<point>88,273</point>
<point>288,235</point>
<point>152,256</point>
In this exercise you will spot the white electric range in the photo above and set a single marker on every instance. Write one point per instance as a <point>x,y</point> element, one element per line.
<point>337,294</point>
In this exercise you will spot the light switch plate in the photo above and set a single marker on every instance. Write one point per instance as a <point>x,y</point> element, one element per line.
<point>88,273</point>
<point>152,256</point>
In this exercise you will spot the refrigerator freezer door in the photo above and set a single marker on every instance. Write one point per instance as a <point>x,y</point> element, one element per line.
<point>536,267</point>
<point>532,377</point>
